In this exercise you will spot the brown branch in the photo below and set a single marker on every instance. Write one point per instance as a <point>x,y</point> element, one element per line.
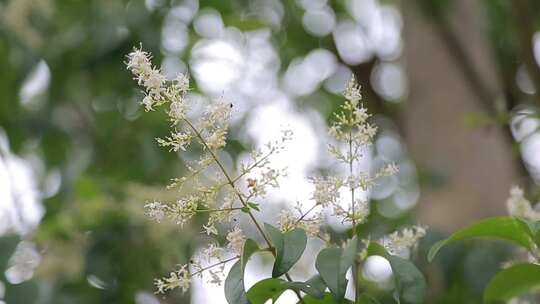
<point>467,66</point>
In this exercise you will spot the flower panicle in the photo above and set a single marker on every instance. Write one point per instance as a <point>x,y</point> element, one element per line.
<point>210,189</point>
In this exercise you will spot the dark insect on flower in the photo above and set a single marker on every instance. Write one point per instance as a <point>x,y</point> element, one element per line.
<point>252,183</point>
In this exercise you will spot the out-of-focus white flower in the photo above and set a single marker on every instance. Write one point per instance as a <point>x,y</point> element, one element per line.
<point>213,252</point>
<point>236,239</point>
<point>217,139</point>
<point>155,210</point>
<point>519,206</point>
<point>23,262</point>
<point>180,212</point>
<point>403,240</point>
<point>388,170</point>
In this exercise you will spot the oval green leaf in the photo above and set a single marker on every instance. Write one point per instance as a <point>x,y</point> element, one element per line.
<point>512,282</point>
<point>272,288</point>
<point>327,299</point>
<point>249,248</point>
<point>504,228</point>
<point>328,266</point>
<point>289,247</point>
<point>410,282</point>
<point>234,286</point>
<point>332,265</point>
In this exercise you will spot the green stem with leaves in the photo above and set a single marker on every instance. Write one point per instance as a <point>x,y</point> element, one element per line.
<point>231,183</point>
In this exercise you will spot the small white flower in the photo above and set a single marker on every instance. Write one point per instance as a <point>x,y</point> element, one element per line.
<point>236,239</point>
<point>287,221</point>
<point>139,61</point>
<point>156,210</point>
<point>212,252</point>
<point>352,91</point>
<point>210,229</point>
<point>326,190</point>
<point>217,140</point>
<point>519,206</point>
<point>182,81</point>
<point>153,80</point>
<point>177,279</point>
<point>388,170</point>
<point>177,111</point>
<point>403,240</point>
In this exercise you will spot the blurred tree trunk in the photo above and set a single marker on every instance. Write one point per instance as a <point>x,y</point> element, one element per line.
<point>474,166</point>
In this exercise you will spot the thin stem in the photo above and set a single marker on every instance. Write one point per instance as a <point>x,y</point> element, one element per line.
<point>217,210</point>
<point>355,264</point>
<point>214,265</point>
<point>229,181</point>
<point>255,164</point>
<point>305,214</point>
<point>240,197</point>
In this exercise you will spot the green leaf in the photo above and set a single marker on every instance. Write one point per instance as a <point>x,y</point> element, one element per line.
<point>234,286</point>
<point>289,248</point>
<point>314,287</point>
<point>7,247</point>
<point>234,283</point>
<point>327,299</point>
<point>534,230</point>
<point>245,209</point>
<point>265,290</point>
<point>249,248</point>
<point>333,263</point>
<point>410,283</point>
<point>504,228</point>
<point>512,282</point>
<point>377,249</point>
<point>254,206</point>
<point>272,288</point>
<point>317,285</point>
<point>365,299</point>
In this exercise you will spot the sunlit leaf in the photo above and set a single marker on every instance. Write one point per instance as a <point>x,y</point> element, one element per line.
<point>504,228</point>
<point>512,282</point>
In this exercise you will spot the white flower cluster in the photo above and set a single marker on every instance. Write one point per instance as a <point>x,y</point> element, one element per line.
<point>350,128</point>
<point>219,195</point>
<point>211,190</point>
<point>176,279</point>
<point>312,224</point>
<point>519,206</point>
<point>400,242</point>
<point>180,211</point>
<point>236,239</point>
